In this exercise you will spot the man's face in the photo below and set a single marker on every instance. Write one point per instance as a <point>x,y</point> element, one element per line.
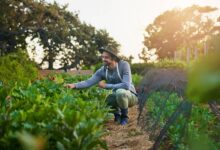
<point>106,58</point>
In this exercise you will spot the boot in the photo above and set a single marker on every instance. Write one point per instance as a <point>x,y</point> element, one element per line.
<point>124,116</point>
<point>117,117</point>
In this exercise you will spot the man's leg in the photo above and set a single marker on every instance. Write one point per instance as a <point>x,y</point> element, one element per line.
<point>111,101</point>
<point>124,100</point>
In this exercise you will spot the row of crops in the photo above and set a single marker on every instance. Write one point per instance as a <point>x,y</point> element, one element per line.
<point>179,108</point>
<point>174,123</point>
<point>45,115</point>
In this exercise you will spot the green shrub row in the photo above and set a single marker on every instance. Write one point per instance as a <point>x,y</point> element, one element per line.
<point>198,131</point>
<point>45,114</point>
<point>142,68</point>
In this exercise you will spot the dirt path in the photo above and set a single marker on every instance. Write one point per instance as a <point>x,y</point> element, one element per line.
<point>129,137</point>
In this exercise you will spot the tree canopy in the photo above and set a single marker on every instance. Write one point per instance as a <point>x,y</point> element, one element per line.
<point>60,32</point>
<point>176,29</point>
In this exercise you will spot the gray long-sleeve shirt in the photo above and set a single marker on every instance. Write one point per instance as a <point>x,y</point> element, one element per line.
<point>120,79</point>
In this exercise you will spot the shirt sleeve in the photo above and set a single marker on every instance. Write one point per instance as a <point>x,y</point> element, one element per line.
<point>91,81</point>
<point>126,79</point>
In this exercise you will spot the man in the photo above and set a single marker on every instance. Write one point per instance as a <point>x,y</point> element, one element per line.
<point>117,74</point>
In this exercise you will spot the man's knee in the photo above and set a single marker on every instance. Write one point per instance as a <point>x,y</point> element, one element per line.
<point>122,98</point>
<point>121,93</point>
<point>125,98</point>
<point>111,100</point>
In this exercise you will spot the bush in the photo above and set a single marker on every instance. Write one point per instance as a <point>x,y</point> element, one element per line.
<point>168,63</point>
<point>136,79</point>
<point>141,68</point>
<point>15,68</point>
<point>60,118</point>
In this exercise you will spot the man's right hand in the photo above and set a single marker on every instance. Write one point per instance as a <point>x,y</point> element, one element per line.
<point>71,86</point>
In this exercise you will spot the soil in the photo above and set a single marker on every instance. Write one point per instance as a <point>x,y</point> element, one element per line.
<point>129,137</point>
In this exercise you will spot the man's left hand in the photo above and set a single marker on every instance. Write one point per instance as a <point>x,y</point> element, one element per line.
<point>102,84</point>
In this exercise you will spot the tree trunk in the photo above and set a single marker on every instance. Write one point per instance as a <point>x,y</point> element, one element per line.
<point>50,60</point>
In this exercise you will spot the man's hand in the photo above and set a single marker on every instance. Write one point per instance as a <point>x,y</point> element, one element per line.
<point>102,84</point>
<point>71,86</point>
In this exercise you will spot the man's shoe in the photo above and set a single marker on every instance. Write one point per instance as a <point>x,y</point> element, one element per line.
<point>117,118</point>
<point>124,116</point>
<point>124,121</point>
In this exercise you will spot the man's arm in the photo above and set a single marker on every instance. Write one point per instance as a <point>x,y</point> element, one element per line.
<point>87,83</point>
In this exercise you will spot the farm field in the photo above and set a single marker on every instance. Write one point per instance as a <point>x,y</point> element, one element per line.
<point>109,75</point>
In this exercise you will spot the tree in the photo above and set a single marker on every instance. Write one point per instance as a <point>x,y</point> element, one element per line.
<point>12,35</point>
<point>61,33</point>
<point>147,55</point>
<point>178,28</point>
<point>214,40</point>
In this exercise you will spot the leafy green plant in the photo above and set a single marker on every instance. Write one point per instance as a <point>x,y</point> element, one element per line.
<point>204,79</point>
<point>136,78</point>
<point>187,132</point>
<point>65,118</point>
<point>15,68</point>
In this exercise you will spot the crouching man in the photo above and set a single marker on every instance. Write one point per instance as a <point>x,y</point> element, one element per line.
<point>117,76</point>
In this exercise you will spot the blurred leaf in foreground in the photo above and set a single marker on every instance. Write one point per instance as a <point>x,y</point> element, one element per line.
<point>204,79</point>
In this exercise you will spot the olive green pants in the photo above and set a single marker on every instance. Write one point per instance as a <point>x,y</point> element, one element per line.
<point>121,99</point>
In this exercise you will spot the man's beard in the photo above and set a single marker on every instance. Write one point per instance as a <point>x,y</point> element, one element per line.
<point>106,63</point>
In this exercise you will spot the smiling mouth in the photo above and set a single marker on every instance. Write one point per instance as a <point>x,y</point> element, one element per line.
<point>106,63</point>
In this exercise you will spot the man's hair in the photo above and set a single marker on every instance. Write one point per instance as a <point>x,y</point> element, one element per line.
<point>113,57</point>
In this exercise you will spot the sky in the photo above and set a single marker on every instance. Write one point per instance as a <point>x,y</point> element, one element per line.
<point>126,20</point>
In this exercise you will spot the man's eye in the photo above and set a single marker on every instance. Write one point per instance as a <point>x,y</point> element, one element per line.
<point>104,57</point>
